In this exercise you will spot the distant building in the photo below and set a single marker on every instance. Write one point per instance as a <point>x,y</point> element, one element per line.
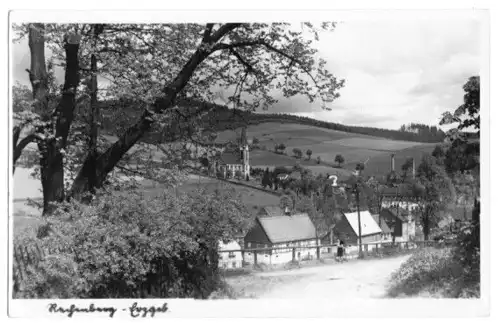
<point>347,228</point>
<point>281,233</point>
<point>386,230</point>
<point>230,260</point>
<point>401,223</point>
<point>456,218</point>
<point>234,161</point>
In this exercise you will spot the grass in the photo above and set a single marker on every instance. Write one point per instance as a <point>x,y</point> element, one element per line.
<point>375,144</point>
<point>326,144</point>
<point>253,199</point>
<point>380,164</point>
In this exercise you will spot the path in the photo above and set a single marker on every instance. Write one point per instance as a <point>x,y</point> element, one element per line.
<point>354,279</point>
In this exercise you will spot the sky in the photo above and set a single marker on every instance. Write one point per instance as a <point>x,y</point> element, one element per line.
<point>396,71</point>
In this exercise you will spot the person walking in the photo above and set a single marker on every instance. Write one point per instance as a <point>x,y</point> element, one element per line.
<point>340,250</point>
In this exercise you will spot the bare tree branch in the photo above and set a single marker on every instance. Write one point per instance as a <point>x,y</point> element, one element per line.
<point>207,33</point>
<point>247,65</point>
<point>223,30</point>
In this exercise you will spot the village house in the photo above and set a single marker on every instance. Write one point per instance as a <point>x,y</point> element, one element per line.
<point>400,222</point>
<point>230,260</point>
<point>280,232</point>
<point>386,230</point>
<point>347,229</point>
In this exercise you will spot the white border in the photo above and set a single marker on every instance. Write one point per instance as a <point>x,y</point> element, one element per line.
<point>290,308</point>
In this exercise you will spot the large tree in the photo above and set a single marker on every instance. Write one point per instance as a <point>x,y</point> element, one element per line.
<point>463,151</point>
<point>434,191</point>
<point>156,68</point>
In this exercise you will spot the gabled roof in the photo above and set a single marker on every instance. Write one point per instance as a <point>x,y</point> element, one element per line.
<point>382,224</point>
<point>272,211</point>
<point>282,228</point>
<point>232,245</point>
<point>368,224</point>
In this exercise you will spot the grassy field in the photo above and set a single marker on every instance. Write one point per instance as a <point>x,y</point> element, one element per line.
<point>380,164</point>
<point>374,152</point>
<point>253,199</point>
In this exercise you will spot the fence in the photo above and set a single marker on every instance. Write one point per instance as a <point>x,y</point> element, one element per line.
<point>232,259</point>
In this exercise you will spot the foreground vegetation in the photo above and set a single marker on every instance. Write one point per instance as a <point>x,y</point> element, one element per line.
<point>441,273</point>
<point>127,245</point>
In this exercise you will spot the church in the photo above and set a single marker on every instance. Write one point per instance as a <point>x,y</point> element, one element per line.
<point>236,160</point>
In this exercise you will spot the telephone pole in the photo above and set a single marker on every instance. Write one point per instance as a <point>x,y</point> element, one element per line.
<point>360,250</point>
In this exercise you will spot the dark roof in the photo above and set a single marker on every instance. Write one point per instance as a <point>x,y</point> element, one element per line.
<point>281,229</point>
<point>231,158</point>
<point>383,225</point>
<point>403,190</point>
<point>272,211</point>
<point>393,213</point>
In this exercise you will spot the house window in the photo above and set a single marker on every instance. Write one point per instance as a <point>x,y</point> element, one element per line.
<point>232,255</point>
<point>234,265</point>
<point>249,245</point>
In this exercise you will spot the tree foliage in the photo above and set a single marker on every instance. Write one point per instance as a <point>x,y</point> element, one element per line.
<point>158,66</point>
<point>297,153</point>
<point>339,159</point>
<point>466,115</point>
<point>435,193</point>
<point>125,241</point>
<point>309,154</point>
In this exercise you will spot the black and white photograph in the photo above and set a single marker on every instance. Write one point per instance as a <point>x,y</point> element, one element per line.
<point>329,157</point>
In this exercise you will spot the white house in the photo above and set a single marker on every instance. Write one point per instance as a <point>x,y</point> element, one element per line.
<point>282,234</point>
<point>230,260</point>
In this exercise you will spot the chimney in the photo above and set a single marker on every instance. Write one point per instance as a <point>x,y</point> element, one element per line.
<point>414,168</point>
<point>392,163</point>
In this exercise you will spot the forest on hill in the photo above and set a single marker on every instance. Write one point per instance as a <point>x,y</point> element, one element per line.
<point>222,118</point>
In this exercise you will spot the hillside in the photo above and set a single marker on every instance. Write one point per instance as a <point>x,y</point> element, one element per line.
<point>118,115</point>
<point>373,151</point>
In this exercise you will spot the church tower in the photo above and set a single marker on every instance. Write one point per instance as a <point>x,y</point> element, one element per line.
<point>245,152</point>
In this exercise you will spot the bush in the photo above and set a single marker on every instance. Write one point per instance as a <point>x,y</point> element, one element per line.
<point>126,243</point>
<point>432,271</point>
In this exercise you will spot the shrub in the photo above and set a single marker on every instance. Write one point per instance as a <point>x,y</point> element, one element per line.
<point>124,242</point>
<point>433,271</point>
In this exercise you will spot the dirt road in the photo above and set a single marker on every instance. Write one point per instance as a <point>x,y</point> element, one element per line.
<point>353,279</point>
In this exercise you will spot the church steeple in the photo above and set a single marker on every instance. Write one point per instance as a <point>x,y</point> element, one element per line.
<point>243,138</point>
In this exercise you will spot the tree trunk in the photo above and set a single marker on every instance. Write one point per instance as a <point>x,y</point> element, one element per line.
<point>89,167</point>
<point>426,228</point>
<point>51,158</point>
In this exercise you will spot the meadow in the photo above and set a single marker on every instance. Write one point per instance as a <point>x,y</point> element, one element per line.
<point>374,152</point>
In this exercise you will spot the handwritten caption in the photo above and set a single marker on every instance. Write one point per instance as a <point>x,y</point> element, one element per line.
<point>134,311</point>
